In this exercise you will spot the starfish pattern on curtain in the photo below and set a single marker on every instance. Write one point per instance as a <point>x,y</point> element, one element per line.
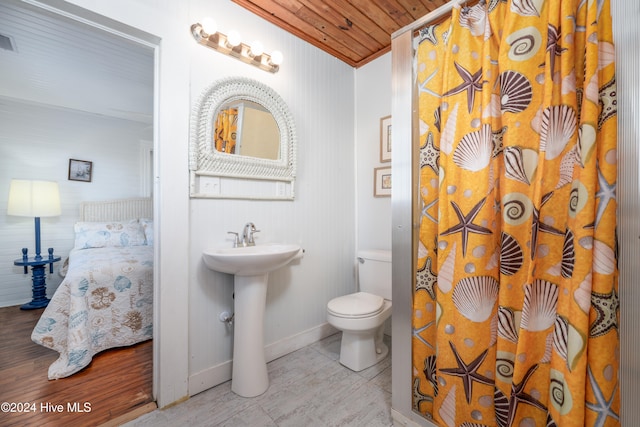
<point>516,296</point>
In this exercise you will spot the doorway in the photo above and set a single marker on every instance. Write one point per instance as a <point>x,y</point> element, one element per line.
<point>81,45</point>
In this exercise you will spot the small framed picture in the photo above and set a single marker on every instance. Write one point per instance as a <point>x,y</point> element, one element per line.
<point>80,170</point>
<point>382,182</point>
<point>385,139</point>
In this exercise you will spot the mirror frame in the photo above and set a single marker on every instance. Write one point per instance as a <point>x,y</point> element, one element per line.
<point>205,162</point>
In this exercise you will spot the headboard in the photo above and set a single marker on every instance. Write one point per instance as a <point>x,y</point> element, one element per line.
<point>116,210</point>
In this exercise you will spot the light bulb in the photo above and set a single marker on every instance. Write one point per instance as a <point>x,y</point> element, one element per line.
<point>209,26</point>
<point>234,38</point>
<point>257,48</point>
<point>276,57</point>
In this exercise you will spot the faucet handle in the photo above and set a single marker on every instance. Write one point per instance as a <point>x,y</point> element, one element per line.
<point>236,240</point>
<point>251,240</point>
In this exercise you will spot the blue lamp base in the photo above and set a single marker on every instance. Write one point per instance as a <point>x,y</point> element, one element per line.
<point>37,265</point>
<point>40,299</point>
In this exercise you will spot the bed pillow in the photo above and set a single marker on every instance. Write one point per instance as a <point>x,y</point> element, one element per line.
<point>147,226</point>
<point>109,234</point>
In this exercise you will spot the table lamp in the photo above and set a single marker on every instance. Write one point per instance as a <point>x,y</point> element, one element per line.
<point>35,199</point>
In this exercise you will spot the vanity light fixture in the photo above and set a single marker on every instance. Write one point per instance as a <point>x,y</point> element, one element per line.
<point>207,34</point>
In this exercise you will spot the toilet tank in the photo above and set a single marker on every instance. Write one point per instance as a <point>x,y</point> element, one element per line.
<point>374,272</point>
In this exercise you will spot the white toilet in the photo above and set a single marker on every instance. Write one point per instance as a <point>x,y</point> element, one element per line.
<point>360,316</point>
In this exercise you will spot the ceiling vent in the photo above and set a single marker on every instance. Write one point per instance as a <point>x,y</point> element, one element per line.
<point>7,43</point>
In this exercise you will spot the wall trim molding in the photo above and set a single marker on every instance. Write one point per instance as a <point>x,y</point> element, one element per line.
<point>221,373</point>
<point>146,168</point>
<point>402,420</point>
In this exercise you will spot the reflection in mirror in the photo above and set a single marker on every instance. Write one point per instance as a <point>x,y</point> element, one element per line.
<point>247,128</point>
<point>224,135</point>
<point>243,143</point>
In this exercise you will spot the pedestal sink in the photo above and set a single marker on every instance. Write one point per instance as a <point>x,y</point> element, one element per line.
<point>250,266</point>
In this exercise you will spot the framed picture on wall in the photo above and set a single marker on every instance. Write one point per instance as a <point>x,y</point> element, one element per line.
<point>80,170</point>
<point>385,139</point>
<point>382,182</point>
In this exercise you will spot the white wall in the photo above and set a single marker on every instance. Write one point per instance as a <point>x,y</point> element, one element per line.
<point>373,101</point>
<point>318,89</point>
<point>37,142</point>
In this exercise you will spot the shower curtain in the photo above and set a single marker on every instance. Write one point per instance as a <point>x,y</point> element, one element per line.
<point>515,318</point>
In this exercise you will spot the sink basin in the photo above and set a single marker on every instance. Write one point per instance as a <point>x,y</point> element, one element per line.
<point>250,260</point>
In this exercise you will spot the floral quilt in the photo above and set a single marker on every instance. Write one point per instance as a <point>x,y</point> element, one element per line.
<point>105,301</point>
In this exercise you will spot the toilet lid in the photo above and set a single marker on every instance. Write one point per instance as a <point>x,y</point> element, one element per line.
<point>358,304</point>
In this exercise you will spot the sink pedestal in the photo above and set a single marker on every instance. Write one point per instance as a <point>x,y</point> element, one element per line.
<point>249,374</point>
<point>251,266</point>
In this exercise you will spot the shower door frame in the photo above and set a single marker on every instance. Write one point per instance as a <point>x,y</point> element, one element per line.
<point>403,217</point>
<point>405,211</point>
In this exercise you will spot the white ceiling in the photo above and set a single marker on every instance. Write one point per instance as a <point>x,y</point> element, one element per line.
<point>64,63</point>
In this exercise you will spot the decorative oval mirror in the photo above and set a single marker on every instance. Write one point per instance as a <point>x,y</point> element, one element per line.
<point>242,132</point>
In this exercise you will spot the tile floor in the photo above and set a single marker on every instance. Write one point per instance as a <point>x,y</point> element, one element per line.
<point>308,388</point>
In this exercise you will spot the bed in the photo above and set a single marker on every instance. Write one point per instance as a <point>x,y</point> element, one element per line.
<point>106,297</point>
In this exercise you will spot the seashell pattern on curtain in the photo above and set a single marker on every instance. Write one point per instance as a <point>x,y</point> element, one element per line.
<point>515,316</point>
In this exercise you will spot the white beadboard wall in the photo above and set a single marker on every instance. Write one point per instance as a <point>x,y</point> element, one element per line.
<point>37,142</point>
<point>626,15</point>
<point>319,91</point>
<point>373,101</point>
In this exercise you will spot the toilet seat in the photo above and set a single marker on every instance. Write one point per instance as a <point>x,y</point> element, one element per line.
<point>357,305</point>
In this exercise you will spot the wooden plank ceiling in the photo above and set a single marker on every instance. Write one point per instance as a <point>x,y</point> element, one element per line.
<point>354,31</point>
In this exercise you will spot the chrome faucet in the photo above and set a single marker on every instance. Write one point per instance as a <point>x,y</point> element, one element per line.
<point>247,234</point>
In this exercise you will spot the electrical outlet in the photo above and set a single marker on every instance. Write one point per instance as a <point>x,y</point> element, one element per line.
<point>210,185</point>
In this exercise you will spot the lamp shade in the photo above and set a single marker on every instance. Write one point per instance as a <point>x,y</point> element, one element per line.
<point>33,198</point>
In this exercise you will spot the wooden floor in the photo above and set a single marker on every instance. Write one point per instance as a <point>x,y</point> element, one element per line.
<point>115,387</point>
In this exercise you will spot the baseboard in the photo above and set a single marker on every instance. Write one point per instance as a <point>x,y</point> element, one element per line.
<point>298,341</point>
<point>220,373</point>
<point>402,420</point>
<point>209,377</point>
